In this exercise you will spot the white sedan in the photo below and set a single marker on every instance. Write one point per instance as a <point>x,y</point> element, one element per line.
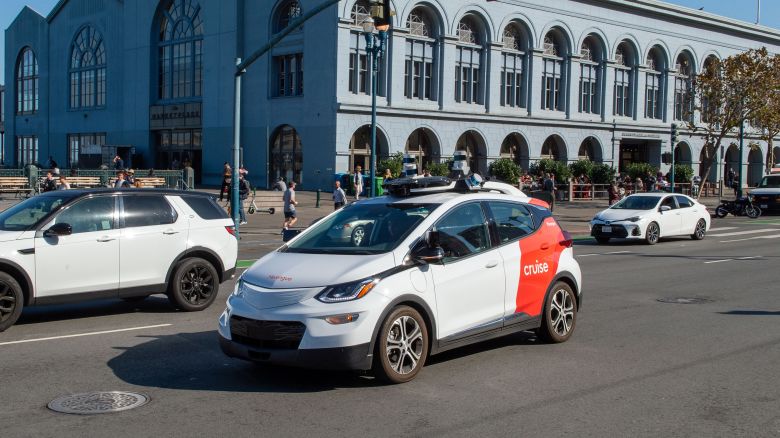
<point>650,216</point>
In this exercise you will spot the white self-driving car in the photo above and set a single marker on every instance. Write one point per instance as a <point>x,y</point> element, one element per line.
<point>651,216</point>
<point>436,269</point>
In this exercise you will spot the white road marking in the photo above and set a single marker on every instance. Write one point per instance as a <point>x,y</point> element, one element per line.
<point>742,233</point>
<point>734,259</point>
<point>85,334</point>
<point>773,236</point>
<point>618,252</point>
<point>718,261</point>
<point>722,229</point>
<point>587,255</point>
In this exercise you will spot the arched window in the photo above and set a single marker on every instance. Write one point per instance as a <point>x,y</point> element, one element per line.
<point>27,82</point>
<point>553,72</point>
<point>683,102</point>
<point>654,84</point>
<point>285,14</point>
<point>590,77</point>
<point>359,78</point>
<point>181,51</point>
<point>422,48</point>
<point>286,156</point>
<point>88,70</point>
<point>513,90</point>
<point>469,51</point>
<point>711,66</point>
<point>624,82</point>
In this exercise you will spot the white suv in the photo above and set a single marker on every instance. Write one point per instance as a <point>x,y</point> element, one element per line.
<point>73,245</point>
<point>431,272</point>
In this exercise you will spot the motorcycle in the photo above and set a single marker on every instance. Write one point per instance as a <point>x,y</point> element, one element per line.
<point>741,207</point>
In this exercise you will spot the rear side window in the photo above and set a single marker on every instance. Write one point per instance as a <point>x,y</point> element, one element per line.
<point>513,221</point>
<point>205,207</point>
<point>684,202</point>
<point>146,211</point>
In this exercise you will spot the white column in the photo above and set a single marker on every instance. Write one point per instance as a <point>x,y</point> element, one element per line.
<point>396,62</point>
<point>609,91</point>
<point>447,68</point>
<point>535,87</point>
<point>574,73</point>
<point>493,92</point>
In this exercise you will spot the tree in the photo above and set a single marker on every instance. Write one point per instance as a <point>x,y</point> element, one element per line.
<point>767,117</point>
<point>726,94</point>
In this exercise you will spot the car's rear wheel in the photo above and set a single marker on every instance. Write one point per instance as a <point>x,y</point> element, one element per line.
<point>700,231</point>
<point>194,285</point>
<point>652,234</point>
<point>401,346</point>
<point>602,240</point>
<point>11,301</point>
<point>358,235</point>
<point>560,314</point>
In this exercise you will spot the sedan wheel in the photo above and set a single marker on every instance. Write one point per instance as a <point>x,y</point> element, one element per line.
<point>700,231</point>
<point>652,234</point>
<point>560,315</point>
<point>402,346</point>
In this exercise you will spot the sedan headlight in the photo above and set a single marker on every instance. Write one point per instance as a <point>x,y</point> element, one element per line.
<point>347,291</point>
<point>634,219</point>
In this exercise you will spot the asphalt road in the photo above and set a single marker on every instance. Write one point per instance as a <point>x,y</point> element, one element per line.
<point>634,367</point>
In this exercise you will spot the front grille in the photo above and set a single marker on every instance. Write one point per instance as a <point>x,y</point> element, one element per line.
<point>277,335</point>
<point>617,231</point>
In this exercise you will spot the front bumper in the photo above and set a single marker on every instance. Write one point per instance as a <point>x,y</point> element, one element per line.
<point>356,357</point>
<point>621,230</point>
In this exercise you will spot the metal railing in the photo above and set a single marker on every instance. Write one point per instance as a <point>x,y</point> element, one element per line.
<point>173,178</point>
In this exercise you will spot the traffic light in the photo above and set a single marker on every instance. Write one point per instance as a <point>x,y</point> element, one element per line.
<point>675,134</point>
<point>382,13</point>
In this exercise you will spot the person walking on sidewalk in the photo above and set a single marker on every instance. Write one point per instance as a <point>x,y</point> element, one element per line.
<point>243,193</point>
<point>339,197</point>
<point>357,182</point>
<point>227,173</point>
<point>548,187</point>
<point>290,216</point>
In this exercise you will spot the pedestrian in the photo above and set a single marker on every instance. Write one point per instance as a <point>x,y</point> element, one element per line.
<point>548,187</point>
<point>280,185</point>
<point>63,185</point>
<point>649,182</point>
<point>426,173</point>
<point>130,177</point>
<point>387,176</point>
<point>119,163</point>
<point>339,197</point>
<point>612,192</point>
<point>243,193</point>
<point>55,169</point>
<point>357,182</point>
<point>227,172</point>
<point>290,215</point>
<point>120,181</point>
<point>49,183</point>
<point>242,171</point>
<point>639,186</point>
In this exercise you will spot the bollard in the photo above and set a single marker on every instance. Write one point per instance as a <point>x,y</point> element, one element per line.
<point>318,198</point>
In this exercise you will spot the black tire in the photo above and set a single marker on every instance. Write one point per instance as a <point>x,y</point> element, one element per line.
<point>135,299</point>
<point>560,314</point>
<point>602,240</point>
<point>752,211</point>
<point>358,235</point>
<point>413,350</point>
<point>11,301</point>
<point>700,231</point>
<point>721,212</point>
<point>194,285</point>
<point>652,233</point>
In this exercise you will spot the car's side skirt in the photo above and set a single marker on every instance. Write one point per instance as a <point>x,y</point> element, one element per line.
<point>485,332</point>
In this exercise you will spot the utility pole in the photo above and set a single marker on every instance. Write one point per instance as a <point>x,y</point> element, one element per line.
<point>758,12</point>
<point>674,148</point>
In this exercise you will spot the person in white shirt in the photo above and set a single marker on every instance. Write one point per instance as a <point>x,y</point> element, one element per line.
<point>357,182</point>
<point>339,197</point>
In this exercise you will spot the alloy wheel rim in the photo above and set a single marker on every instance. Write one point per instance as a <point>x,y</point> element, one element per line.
<point>652,233</point>
<point>700,229</point>
<point>358,236</point>
<point>7,301</point>
<point>562,312</point>
<point>404,345</point>
<point>197,285</point>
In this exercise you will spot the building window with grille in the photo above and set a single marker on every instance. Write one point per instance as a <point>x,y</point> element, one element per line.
<point>421,55</point>
<point>512,69</point>
<point>26,150</point>
<point>683,108</point>
<point>88,70</point>
<point>653,89</point>
<point>552,75</point>
<point>359,67</point>
<point>289,75</point>
<point>86,144</point>
<point>589,80</point>
<point>27,82</point>
<point>468,60</point>
<point>180,51</point>
<point>623,90</point>
<point>288,12</point>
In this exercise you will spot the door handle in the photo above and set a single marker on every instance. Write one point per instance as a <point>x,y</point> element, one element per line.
<point>106,239</point>
<point>169,232</point>
<point>492,264</point>
<point>545,246</point>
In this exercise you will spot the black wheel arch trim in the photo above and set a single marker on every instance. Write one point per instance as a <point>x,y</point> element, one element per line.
<point>190,252</point>
<point>419,304</point>
<point>17,271</point>
<point>569,279</point>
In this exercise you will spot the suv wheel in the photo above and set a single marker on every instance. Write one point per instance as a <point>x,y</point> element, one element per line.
<point>194,285</point>
<point>11,301</point>
<point>402,346</point>
<point>560,314</point>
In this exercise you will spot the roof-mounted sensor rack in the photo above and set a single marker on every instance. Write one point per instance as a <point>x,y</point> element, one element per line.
<point>403,187</point>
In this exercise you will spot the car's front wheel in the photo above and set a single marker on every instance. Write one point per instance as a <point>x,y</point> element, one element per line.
<point>194,285</point>
<point>401,346</point>
<point>11,301</point>
<point>560,314</point>
<point>653,233</point>
<point>358,235</point>
<point>700,231</point>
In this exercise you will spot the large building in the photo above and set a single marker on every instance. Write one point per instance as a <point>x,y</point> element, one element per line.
<point>525,79</point>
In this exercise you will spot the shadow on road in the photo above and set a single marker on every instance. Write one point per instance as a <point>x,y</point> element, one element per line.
<point>60,312</point>
<point>521,338</point>
<point>751,312</point>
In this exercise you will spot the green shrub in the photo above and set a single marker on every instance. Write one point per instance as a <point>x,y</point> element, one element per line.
<point>505,170</point>
<point>602,174</point>
<point>394,162</point>
<point>581,167</point>
<point>683,173</point>
<point>545,165</point>
<point>440,169</point>
<point>639,170</point>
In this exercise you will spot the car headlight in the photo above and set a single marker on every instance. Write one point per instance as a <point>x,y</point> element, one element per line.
<point>634,219</point>
<point>347,291</point>
<point>238,290</point>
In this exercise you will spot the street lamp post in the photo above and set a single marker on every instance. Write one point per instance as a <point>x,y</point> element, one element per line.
<point>741,151</point>
<point>375,47</point>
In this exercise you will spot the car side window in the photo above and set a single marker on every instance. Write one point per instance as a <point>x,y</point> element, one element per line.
<point>146,211</point>
<point>684,202</point>
<point>513,221</point>
<point>669,202</point>
<point>89,215</point>
<point>463,232</point>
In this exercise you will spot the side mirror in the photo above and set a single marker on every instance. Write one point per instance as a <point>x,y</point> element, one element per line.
<point>60,229</point>
<point>427,255</point>
<point>665,208</point>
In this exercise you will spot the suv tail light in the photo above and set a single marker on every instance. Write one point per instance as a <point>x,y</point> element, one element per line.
<point>567,241</point>
<point>231,229</point>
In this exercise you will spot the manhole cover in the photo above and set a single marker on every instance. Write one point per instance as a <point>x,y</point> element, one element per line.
<point>684,300</point>
<point>98,402</point>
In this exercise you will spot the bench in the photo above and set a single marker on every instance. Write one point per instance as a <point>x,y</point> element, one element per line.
<point>15,184</point>
<point>152,181</point>
<point>80,182</point>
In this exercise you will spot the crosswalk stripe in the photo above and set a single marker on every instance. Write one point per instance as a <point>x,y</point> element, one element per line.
<point>772,236</point>
<point>722,229</point>
<point>741,233</point>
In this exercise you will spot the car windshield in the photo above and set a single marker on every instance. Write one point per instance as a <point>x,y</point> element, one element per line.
<point>637,203</point>
<point>362,229</point>
<point>770,182</point>
<point>28,213</point>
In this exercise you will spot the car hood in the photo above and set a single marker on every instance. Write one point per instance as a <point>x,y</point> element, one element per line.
<point>6,236</point>
<point>284,270</point>
<point>612,214</point>
<point>766,191</point>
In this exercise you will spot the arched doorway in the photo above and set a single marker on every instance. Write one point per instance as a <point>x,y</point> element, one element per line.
<point>731,161</point>
<point>713,177</point>
<point>755,169</point>
<point>285,156</point>
<point>590,149</point>
<point>422,145</point>
<point>775,158</point>
<point>471,142</point>
<point>360,148</point>
<point>515,148</point>
<point>554,148</point>
<point>682,153</point>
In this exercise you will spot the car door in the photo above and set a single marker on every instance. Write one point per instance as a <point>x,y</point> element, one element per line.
<point>469,284</point>
<point>153,235</point>
<point>689,214</point>
<point>670,221</point>
<point>87,260</point>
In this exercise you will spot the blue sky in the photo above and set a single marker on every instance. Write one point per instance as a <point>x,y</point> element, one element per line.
<point>741,9</point>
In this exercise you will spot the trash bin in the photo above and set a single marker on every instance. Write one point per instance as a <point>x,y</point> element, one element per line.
<point>379,191</point>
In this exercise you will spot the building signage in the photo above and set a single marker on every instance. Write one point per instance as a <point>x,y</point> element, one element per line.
<point>175,116</point>
<point>649,135</point>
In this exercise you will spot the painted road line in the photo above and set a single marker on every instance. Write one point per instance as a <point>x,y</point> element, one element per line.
<point>618,252</point>
<point>734,259</point>
<point>586,255</point>
<point>718,261</point>
<point>722,229</point>
<point>742,233</point>
<point>773,236</point>
<point>242,264</point>
<point>105,332</point>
